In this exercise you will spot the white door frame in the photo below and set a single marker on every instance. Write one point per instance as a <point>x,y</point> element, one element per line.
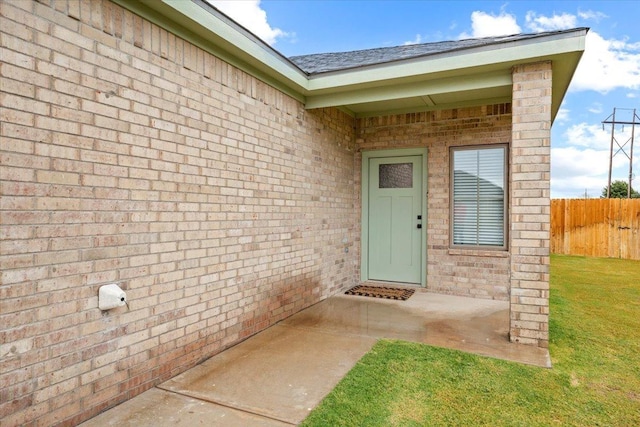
<point>364,191</point>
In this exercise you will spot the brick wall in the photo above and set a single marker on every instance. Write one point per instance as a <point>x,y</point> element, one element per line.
<point>530,203</point>
<point>475,273</point>
<point>130,156</point>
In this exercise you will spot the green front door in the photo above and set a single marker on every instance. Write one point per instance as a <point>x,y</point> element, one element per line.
<point>395,219</point>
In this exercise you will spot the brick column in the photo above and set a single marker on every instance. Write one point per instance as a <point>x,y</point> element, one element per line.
<point>530,204</point>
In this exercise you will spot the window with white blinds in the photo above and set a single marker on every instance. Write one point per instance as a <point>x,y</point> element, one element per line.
<point>478,211</point>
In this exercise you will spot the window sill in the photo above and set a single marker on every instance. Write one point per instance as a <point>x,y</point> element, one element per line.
<point>498,253</point>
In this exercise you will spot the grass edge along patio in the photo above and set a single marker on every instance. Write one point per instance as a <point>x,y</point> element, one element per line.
<point>594,381</point>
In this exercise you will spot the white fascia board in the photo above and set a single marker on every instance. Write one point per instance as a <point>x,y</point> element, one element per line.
<point>454,63</point>
<point>410,90</point>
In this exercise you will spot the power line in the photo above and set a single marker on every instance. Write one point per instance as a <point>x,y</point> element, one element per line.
<point>621,147</point>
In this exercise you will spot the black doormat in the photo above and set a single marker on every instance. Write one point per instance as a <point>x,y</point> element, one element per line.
<point>381,292</point>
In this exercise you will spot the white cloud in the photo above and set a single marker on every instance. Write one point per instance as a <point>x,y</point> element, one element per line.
<point>631,46</point>
<point>588,135</point>
<point>567,162</point>
<point>563,115</point>
<point>577,187</point>
<point>250,15</point>
<point>417,40</point>
<point>591,15</point>
<point>486,25</point>
<point>539,23</point>
<point>574,170</point>
<point>583,165</point>
<point>598,136</point>
<point>607,65</point>
<point>596,108</point>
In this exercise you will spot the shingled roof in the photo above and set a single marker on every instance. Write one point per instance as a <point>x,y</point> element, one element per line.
<point>338,61</point>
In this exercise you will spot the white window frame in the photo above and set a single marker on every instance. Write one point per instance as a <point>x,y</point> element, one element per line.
<point>454,200</point>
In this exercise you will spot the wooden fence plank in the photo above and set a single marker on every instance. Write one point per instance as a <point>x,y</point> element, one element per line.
<point>596,227</point>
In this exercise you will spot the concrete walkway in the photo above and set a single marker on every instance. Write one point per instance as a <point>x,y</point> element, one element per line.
<point>278,376</point>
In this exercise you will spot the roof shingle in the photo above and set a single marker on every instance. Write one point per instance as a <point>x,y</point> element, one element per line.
<point>337,61</point>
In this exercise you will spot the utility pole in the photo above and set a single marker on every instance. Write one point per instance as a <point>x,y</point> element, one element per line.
<point>633,129</point>
<point>621,147</point>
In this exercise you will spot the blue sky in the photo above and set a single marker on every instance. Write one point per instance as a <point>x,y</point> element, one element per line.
<point>608,76</point>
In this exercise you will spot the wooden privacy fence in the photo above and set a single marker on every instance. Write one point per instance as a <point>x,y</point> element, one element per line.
<point>596,227</point>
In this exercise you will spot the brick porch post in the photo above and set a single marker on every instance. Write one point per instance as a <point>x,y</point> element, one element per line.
<point>530,203</point>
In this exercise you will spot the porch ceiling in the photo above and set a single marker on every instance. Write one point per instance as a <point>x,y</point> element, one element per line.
<point>421,96</point>
<point>475,72</point>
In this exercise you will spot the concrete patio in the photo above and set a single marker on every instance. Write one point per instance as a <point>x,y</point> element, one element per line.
<point>278,376</point>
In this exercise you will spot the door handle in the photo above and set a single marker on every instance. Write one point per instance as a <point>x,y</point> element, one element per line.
<point>419,225</point>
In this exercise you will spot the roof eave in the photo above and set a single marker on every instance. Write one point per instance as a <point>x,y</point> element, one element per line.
<point>478,67</point>
<point>456,62</point>
<point>470,70</point>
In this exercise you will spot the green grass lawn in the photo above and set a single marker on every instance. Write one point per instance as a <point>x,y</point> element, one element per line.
<point>595,380</point>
